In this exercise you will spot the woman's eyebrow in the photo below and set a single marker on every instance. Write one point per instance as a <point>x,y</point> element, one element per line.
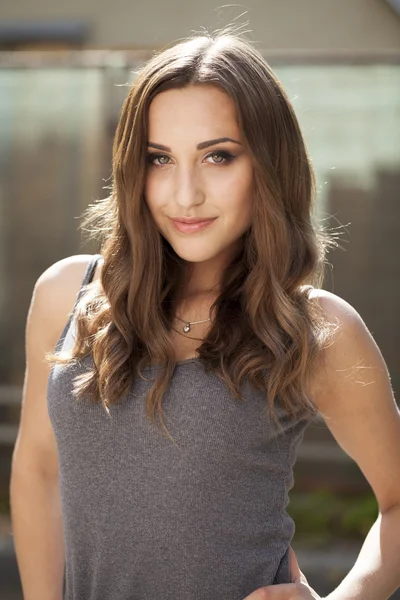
<point>200,146</point>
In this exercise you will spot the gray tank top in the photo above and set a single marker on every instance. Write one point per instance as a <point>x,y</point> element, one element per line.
<point>144,519</point>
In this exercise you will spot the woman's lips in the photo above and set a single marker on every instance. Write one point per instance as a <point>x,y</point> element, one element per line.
<point>191,227</point>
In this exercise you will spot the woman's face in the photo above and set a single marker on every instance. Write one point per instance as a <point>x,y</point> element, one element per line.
<point>190,175</point>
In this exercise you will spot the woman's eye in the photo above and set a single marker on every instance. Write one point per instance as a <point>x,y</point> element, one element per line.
<point>152,157</point>
<point>225,156</point>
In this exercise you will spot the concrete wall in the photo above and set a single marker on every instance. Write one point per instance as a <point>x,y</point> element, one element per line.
<point>276,24</point>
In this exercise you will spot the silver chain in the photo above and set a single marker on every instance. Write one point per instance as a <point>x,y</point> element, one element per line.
<point>186,328</point>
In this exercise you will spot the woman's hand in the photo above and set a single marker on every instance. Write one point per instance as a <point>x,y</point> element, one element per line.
<point>298,590</point>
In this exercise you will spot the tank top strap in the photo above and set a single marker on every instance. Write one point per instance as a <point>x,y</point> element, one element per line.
<point>87,278</point>
<point>90,269</point>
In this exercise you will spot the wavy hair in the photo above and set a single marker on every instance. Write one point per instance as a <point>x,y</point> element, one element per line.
<point>265,327</point>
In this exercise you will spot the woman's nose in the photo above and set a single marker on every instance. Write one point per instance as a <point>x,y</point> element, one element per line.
<point>188,189</point>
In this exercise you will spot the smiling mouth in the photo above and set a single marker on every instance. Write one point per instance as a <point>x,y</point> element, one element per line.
<point>193,226</point>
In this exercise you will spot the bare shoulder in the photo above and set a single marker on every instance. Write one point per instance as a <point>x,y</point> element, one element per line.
<point>340,312</point>
<point>55,294</point>
<point>353,355</point>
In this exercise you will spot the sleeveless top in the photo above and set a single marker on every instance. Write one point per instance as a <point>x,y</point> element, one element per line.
<point>202,519</point>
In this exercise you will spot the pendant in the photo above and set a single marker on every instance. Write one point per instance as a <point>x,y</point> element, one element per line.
<point>186,329</point>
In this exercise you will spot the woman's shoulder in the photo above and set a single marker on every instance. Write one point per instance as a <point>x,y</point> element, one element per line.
<point>346,320</point>
<point>335,308</point>
<point>63,278</point>
<point>56,291</point>
<point>350,345</point>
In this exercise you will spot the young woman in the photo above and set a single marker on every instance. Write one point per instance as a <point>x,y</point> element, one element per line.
<point>157,443</point>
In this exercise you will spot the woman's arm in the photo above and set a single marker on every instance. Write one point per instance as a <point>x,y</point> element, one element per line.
<point>376,572</point>
<point>351,388</point>
<point>354,394</point>
<point>34,489</point>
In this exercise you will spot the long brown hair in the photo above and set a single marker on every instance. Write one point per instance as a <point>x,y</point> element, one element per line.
<point>265,328</point>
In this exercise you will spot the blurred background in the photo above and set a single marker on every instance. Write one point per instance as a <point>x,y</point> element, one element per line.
<point>64,72</point>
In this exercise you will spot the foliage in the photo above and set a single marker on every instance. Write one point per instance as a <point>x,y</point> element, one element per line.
<point>326,516</point>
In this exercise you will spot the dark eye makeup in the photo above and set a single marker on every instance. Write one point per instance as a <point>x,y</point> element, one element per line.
<point>226,156</point>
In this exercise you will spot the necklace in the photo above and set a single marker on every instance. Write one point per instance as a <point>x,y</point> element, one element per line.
<point>186,328</point>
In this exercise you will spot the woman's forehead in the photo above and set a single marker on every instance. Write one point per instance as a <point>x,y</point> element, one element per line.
<point>197,110</point>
